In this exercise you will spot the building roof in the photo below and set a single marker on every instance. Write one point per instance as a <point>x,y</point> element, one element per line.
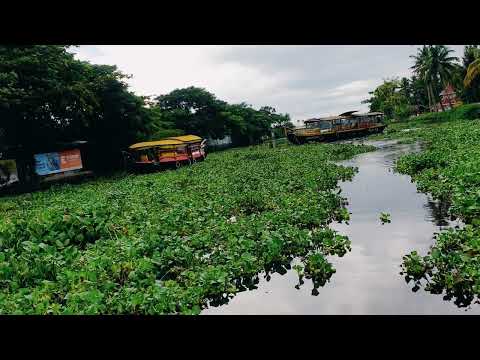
<point>448,90</point>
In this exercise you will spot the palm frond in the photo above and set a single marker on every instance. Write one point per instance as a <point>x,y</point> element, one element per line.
<point>472,72</point>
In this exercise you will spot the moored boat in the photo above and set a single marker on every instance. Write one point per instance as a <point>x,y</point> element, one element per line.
<point>168,152</point>
<point>332,128</point>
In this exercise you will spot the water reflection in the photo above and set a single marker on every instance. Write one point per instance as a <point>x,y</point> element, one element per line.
<point>438,212</point>
<point>367,279</point>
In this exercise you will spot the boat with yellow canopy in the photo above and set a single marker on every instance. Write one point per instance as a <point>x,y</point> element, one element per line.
<point>174,151</point>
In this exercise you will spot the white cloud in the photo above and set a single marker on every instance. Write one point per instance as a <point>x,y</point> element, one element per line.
<point>354,87</point>
<point>304,81</point>
<point>160,69</point>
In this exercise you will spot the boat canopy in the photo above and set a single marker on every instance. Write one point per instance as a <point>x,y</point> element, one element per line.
<point>148,144</point>
<point>371,113</point>
<point>349,114</point>
<point>170,141</point>
<point>186,138</point>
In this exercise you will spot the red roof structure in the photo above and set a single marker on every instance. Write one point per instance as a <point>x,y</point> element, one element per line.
<point>449,90</point>
<point>448,97</point>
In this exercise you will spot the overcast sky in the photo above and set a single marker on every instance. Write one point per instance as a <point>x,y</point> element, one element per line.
<point>304,81</point>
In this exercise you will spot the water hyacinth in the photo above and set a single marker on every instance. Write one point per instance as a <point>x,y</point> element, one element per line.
<point>174,241</point>
<point>449,169</point>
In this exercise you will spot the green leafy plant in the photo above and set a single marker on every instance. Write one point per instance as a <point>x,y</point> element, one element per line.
<point>174,242</point>
<point>448,169</point>
<point>385,218</point>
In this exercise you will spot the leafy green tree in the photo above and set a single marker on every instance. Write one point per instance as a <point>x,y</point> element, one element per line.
<point>41,93</point>
<point>472,72</point>
<point>47,96</point>
<point>195,111</point>
<point>161,124</point>
<point>419,96</point>
<point>247,125</point>
<point>390,98</point>
<point>119,119</point>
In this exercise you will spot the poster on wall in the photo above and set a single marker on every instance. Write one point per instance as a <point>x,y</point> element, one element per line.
<point>57,162</point>
<point>8,172</point>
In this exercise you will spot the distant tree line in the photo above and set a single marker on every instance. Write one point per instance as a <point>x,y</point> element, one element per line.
<point>47,96</point>
<point>196,111</point>
<point>433,69</point>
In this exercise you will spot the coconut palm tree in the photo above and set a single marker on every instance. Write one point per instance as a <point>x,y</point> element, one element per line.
<point>421,67</point>
<point>473,69</point>
<point>433,63</point>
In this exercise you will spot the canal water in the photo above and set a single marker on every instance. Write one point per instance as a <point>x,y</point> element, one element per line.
<point>367,280</point>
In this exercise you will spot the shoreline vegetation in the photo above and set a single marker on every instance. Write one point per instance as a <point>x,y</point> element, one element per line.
<point>448,168</point>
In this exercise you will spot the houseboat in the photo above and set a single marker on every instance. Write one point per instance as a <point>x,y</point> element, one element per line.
<point>332,128</point>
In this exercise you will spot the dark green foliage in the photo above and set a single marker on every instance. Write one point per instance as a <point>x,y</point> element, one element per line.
<point>46,96</point>
<point>195,110</point>
<point>471,93</point>
<point>463,112</point>
<point>318,269</point>
<point>451,267</point>
<point>385,218</point>
<point>393,98</point>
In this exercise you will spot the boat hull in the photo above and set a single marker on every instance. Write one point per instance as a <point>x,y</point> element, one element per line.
<point>335,135</point>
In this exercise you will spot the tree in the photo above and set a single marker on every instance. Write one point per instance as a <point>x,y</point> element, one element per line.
<point>419,97</point>
<point>434,65</point>
<point>36,85</point>
<point>405,88</point>
<point>390,98</point>
<point>420,68</point>
<point>194,110</point>
<point>161,124</point>
<point>277,120</point>
<point>472,72</point>
<point>47,96</point>
<point>119,119</point>
<point>247,126</point>
<point>472,64</point>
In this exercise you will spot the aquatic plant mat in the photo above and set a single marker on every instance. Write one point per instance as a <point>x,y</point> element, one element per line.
<point>448,169</point>
<point>174,241</point>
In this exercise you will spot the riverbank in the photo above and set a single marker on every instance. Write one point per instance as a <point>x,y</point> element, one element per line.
<point>449,170</point>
